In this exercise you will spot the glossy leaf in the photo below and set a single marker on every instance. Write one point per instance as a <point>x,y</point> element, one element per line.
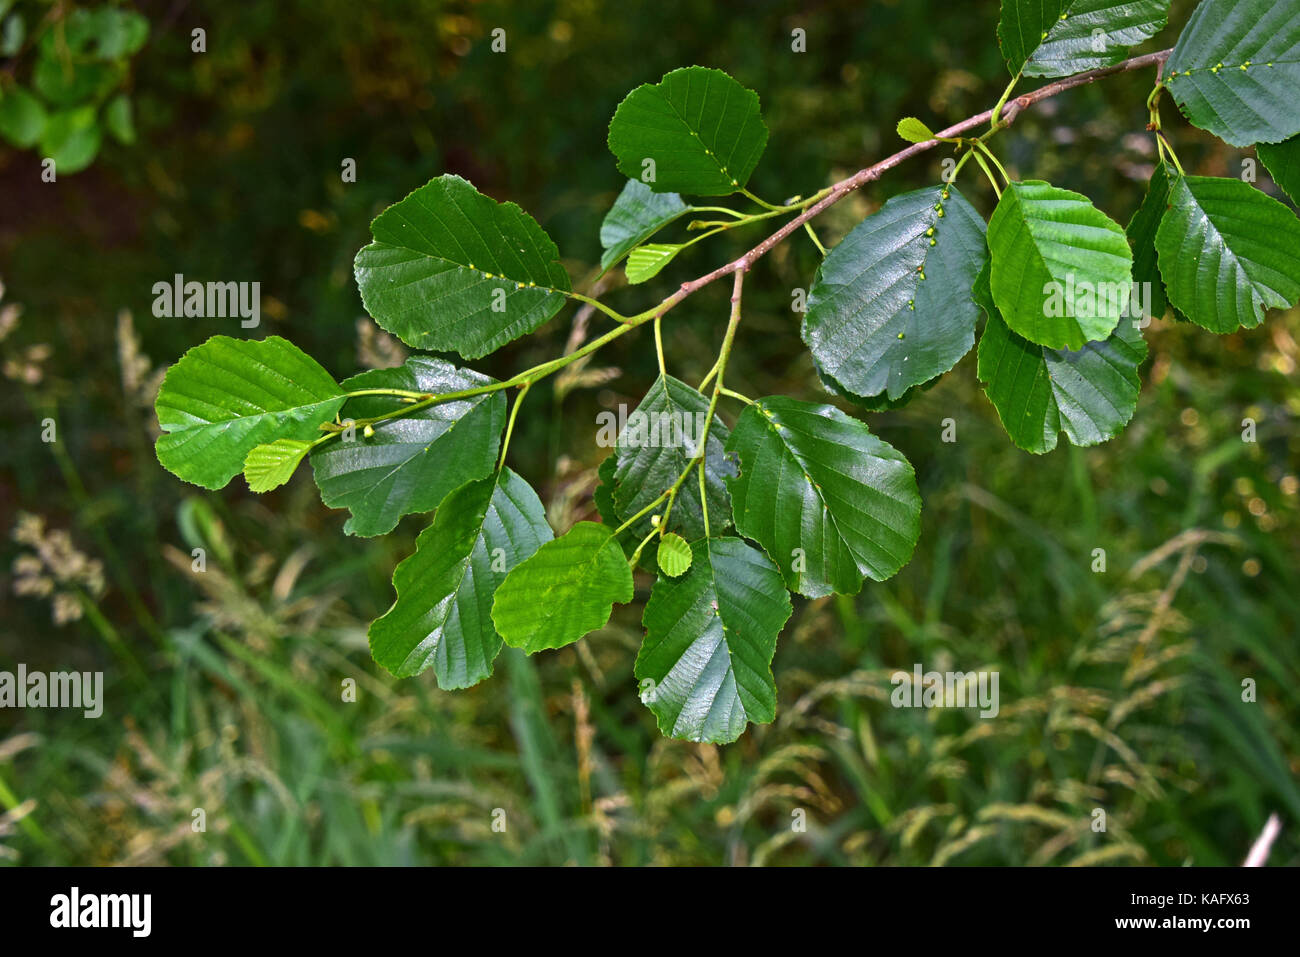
<point>564,591</point>
<point>1227,252</point>
<point>442,617</point>
<point>1089,394</point>
<point>1063,37</point>
<point>705,667</point>
<point>636,215</point>
<point>891,305</point>
<point>660,438</point>
<point>828,500</point>
<point>1236,69</point>
<point>270,465</point>
<point>1062,270</point>
<point>451,269</point>
<point>227,396</point>
<point>701,129</point>
<point>22,117</point>
<point>410,463</point>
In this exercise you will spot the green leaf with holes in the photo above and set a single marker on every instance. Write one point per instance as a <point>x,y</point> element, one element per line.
<point>1062,270</point>
<point>453,270</point>
<point>696,131</point>
<point>673,555</point>
<point>1236,69</point>
<point>1064,37</point>
<point>1282,160</point>
<point>1227,252</point>
<point>270,465</point>
<point>644,262</point>
<point>227,396</point>
<point>705,666</point>
<point>660,438</point>
<point>442,617</point>
<point>566,590</point>
<point>636,215</point>
<point>1141,234</point>
<point>1089,394</point>
<point>891,307</point>
<point>410,463</point>
<point>829,501</point>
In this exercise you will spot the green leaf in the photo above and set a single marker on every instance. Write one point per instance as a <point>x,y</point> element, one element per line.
<point>913,130</point>
<point>71,138</point>
<point>1062,269</point>
<point>644,262</point>
<point>410,463</point>
<point>1141,233</point>
<point>443,612</point>
<point>702,130</point>
<point>891,305</point>
<point>828,500</point>
<point>451,269</point>
<point>705,666</point>
<point>118,121</point>
<point>673,555</point>
<point>564,591</point>
<point>1227,251</point>
<point>1236,69</point>
<point>270,465</point>
<point>227,396</point>
<point>1090,394</point>
<point>1064,37</point>
<point>1282,160</point>
<point>68,83</point>
<point>12,35</point>
<point>22,118</point>
<point>636,215</point>
<point>660,438</point>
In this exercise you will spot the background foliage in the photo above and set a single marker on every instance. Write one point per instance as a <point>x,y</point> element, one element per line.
<point>1119,689</point>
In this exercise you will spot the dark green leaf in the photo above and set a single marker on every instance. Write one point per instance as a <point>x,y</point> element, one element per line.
<point>702,130</point>
<point>1236,70</point>
<point>828,500</point>
<point>705,666</point>
<point>410,463</point>
<point>891,306</point>
<point>1227,252</point>
<point>1142,236</point>
<point>636,215</point>
<point>443,612</point>
<point>1063,37</point>
<point>227,396</point>
<point>1282,160</point>
<point>564,591</point>
<point>451,269</point>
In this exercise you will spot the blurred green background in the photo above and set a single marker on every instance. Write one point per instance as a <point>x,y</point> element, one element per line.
<point>1120,690</point>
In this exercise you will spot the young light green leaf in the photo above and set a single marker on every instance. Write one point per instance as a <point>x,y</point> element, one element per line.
<point>1062,269</point>
<point>272,464</point>
<point>1141,233</point>
<point>636,215</point>
<point>1227,251</point>
<point>673,555</point>
<point>564,591</point>
<point>443,613</point>
<point>659,440</point>
<point>828,500</point>
<point>696,131</point>
<point>644,262</point>
<point>22,118</point>
<point>410,463</point>
<point>1282,160</point>
<point>913,130</point>
<point>228,396</point>
<point>1236,69</point>
<point>1063,37</point>
<point>705,666</point>
<point>451,269</point>
<point>891,305</point>
<point>1090,394</point>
